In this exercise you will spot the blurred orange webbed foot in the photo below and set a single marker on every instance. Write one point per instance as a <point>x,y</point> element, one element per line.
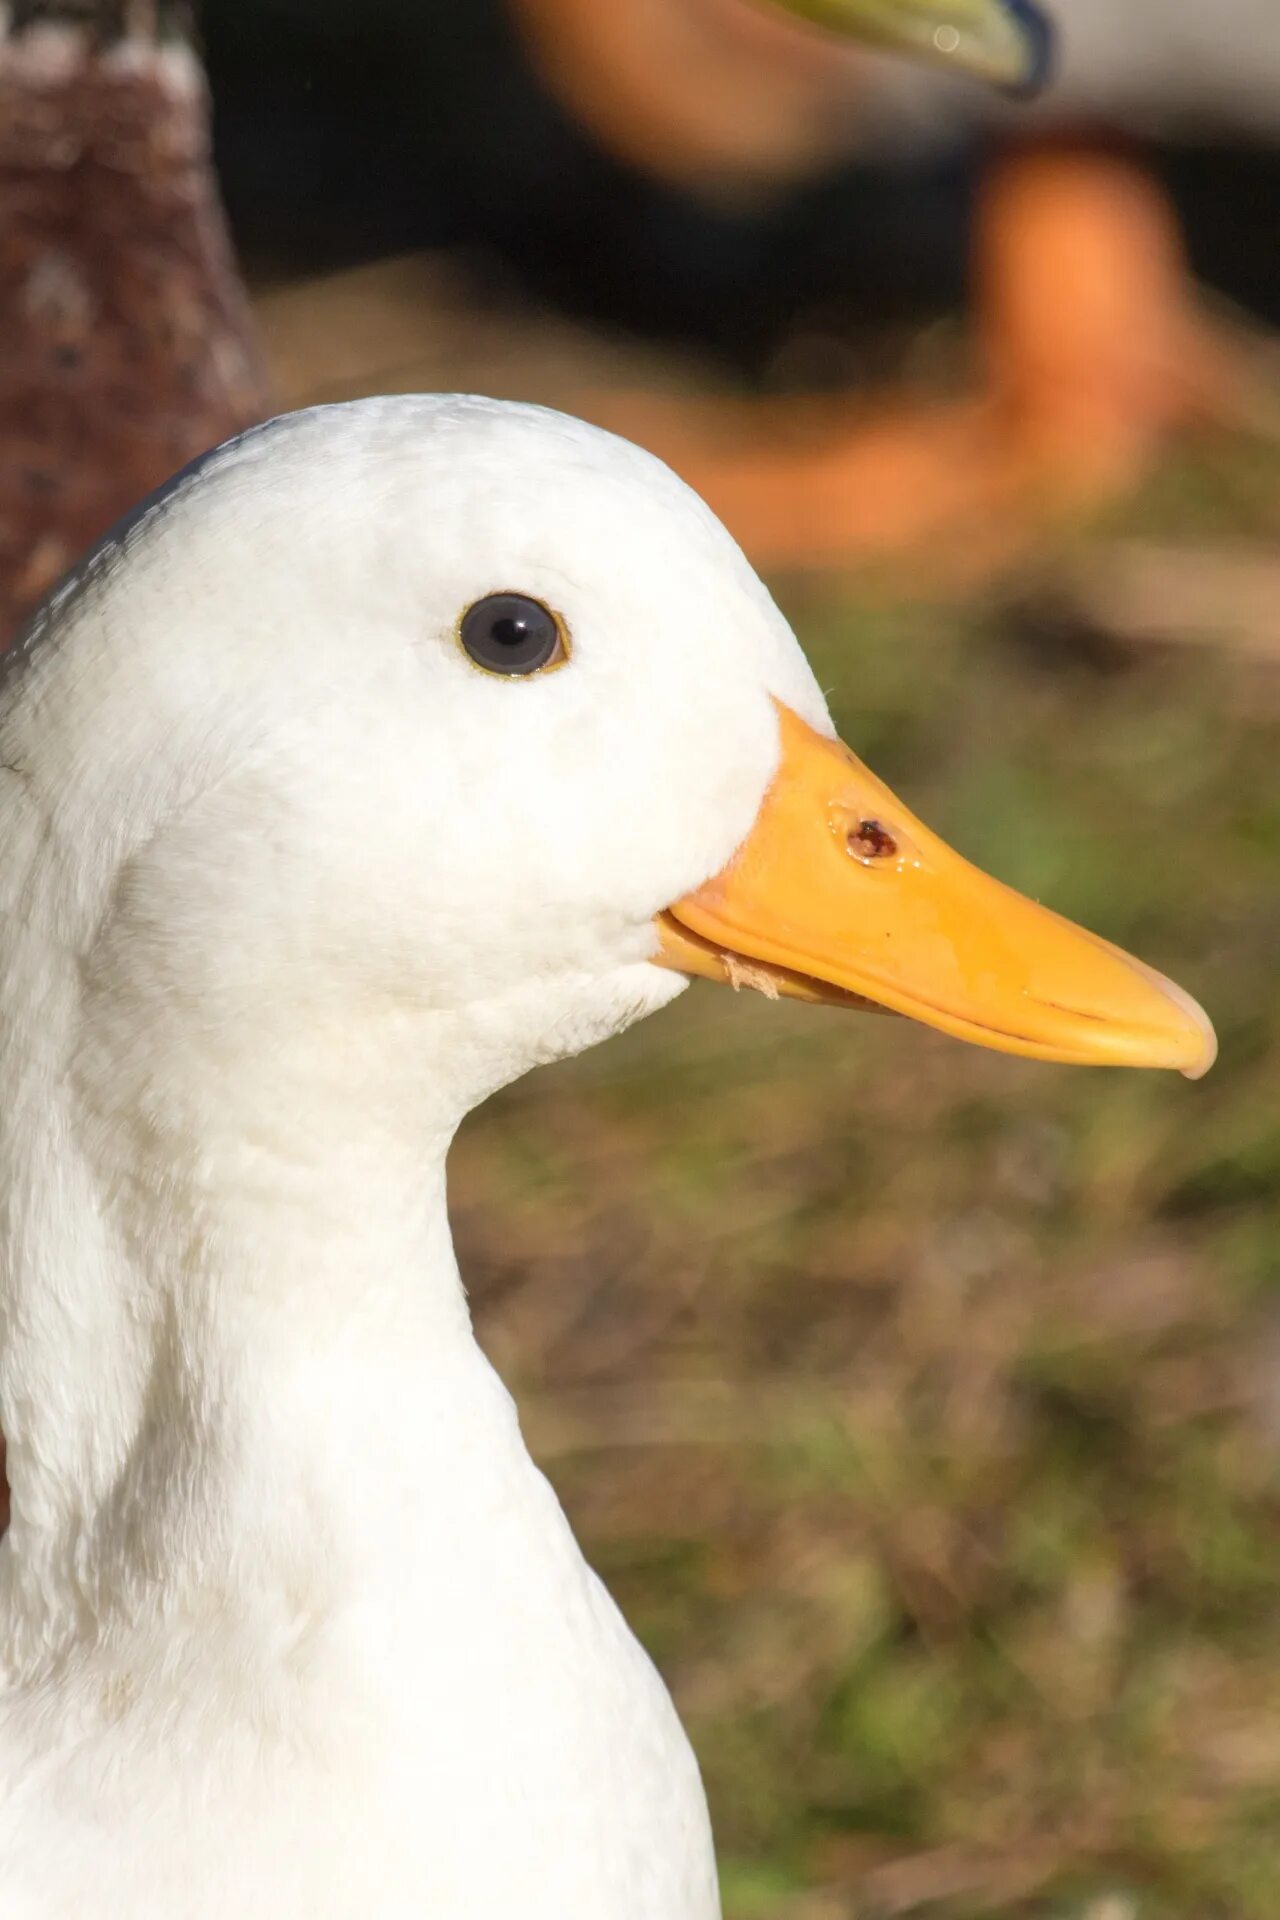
<point>1093,349</point>
<point>1096,346</point>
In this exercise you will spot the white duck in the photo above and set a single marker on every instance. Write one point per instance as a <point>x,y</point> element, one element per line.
<point>301,860</point>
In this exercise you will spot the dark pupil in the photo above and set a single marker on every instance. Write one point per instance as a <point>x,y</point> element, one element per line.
<point>509,633</point>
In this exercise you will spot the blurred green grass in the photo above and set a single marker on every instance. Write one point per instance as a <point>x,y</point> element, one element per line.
<point>922,1406</point>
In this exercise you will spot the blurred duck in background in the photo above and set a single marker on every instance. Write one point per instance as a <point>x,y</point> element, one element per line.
<point>1092,344</point>
<point>737,176</point>
<point>127,342</point>
<point>742,176</point>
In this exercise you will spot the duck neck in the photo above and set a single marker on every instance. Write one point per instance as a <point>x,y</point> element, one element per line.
<point>240,1349</point>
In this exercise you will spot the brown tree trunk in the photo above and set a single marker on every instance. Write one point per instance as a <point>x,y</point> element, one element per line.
<point>125,341</point>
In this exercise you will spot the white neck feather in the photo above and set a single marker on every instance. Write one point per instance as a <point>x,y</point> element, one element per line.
<point>229,1342</point>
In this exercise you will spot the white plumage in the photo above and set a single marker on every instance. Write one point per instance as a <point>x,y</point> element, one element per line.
<point>290,1625</point>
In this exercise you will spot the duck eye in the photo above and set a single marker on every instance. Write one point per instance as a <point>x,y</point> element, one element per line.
<point>512,633</point>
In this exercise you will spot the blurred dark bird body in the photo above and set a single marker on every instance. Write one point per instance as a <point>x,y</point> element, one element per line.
<point>341,139</point>
<point>342,136</point>
<point>127,344</point>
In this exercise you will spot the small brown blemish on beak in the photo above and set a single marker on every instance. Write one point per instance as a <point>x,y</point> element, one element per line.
<point>869,841</point>
<point>916,929</point>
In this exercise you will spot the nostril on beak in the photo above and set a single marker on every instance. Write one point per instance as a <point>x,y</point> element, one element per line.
<point>871,840</point>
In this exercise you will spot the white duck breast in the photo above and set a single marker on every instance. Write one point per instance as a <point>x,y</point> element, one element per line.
<point>297,864</point>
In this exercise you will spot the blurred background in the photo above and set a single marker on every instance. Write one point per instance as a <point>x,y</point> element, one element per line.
<point>920,1406</point>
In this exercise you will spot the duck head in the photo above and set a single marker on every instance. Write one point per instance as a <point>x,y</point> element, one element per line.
<point>469,722</point>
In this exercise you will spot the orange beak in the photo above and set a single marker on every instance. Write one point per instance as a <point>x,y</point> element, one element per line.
<point>839,894</point>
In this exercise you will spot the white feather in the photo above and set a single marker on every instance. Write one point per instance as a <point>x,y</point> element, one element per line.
<point>290,1625</point>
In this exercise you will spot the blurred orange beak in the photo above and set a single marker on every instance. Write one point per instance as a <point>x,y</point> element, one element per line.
<point>839,894</point>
